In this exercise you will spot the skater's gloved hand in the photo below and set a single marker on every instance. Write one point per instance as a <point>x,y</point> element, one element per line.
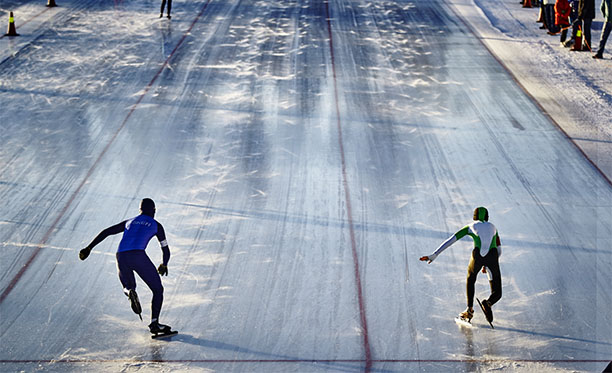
<point>426,259</point>
<point>162,270</point>
<point>84,253</point>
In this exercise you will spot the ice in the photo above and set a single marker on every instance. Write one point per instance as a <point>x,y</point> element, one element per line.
<point>299,179</point>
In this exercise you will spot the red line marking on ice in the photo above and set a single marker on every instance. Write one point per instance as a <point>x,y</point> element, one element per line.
<point>347,196</point>
<point>72,198</point>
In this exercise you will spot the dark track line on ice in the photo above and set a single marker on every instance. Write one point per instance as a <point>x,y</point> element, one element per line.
<point>347,196</point>
<point>279,361</point>
<point>72,198</point>
<point>533,99</point>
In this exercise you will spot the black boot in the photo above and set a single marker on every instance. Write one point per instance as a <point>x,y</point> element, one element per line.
<point>134,302</point>
<point>156,328</point>
<point>486,306</point>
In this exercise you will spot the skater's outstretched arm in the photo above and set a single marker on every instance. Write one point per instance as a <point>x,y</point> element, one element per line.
<point>115,229</point>
<point>446,244</point>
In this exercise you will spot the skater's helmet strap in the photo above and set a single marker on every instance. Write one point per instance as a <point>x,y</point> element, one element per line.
<point>481,213</point>
<point>147,206</point>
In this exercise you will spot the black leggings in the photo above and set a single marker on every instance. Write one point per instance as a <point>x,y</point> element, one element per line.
<point>164,5</point>
<point>137,261</point>
<point>491,261</point>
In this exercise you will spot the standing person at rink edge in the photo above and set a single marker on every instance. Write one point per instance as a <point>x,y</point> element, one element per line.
<point>163,5</point>
<point>131,257</point>
<point>486,253</point>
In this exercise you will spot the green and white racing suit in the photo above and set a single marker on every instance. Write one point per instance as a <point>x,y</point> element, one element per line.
<point>486,253</point>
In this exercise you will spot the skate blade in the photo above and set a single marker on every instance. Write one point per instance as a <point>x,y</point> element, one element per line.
<point>483,311</point>
<point>164,335</point>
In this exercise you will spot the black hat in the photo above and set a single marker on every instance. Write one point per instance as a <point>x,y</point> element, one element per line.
<point>147,206</point>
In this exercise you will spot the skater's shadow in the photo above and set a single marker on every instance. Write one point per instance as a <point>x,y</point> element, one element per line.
<point>327,222</point>
<point>264,357</point>
<point>552,336</point>
<point>190,339</point>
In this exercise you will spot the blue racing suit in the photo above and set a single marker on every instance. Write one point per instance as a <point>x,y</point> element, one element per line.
<point>131,256</point>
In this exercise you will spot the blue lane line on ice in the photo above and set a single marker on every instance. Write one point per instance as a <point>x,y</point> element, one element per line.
<point>72,198</point>
<point>347,197</point>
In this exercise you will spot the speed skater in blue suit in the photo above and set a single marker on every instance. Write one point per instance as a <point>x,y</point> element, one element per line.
<point>131,257</point>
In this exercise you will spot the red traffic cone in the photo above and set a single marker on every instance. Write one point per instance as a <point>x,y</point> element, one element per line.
<point>527,4</point>
<point>51,3</point>
<point>11,27</point>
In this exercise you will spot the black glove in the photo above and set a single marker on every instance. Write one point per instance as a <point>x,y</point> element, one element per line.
<point>84,253</point>
<point>162,270</point>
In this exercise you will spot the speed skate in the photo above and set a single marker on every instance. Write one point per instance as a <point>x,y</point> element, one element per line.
<point>164,334</point>
<point>463,321</point>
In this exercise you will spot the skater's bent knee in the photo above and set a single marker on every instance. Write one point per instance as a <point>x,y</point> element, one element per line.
<point>157,289</point>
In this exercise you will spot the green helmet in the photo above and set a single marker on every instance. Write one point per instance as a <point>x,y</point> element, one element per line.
<point>481,213</point>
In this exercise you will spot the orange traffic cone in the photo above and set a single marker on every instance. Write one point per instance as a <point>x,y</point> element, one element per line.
<point>11,27</point>
<point>51,3</point>
<point>527,4</point>
<point>578,41</point>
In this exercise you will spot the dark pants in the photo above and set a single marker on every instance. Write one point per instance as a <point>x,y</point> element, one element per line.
<point>586,33</point>
<point>564,27</point>
<point>576,23</point>
<point>549,18</point>
<point>491,261</point>
<point>164,5</point>
<point>605,32</point>
<point>137,261</point>
<point>563,33</point>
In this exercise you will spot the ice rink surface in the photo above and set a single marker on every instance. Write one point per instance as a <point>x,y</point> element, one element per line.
<point>303,155</point>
